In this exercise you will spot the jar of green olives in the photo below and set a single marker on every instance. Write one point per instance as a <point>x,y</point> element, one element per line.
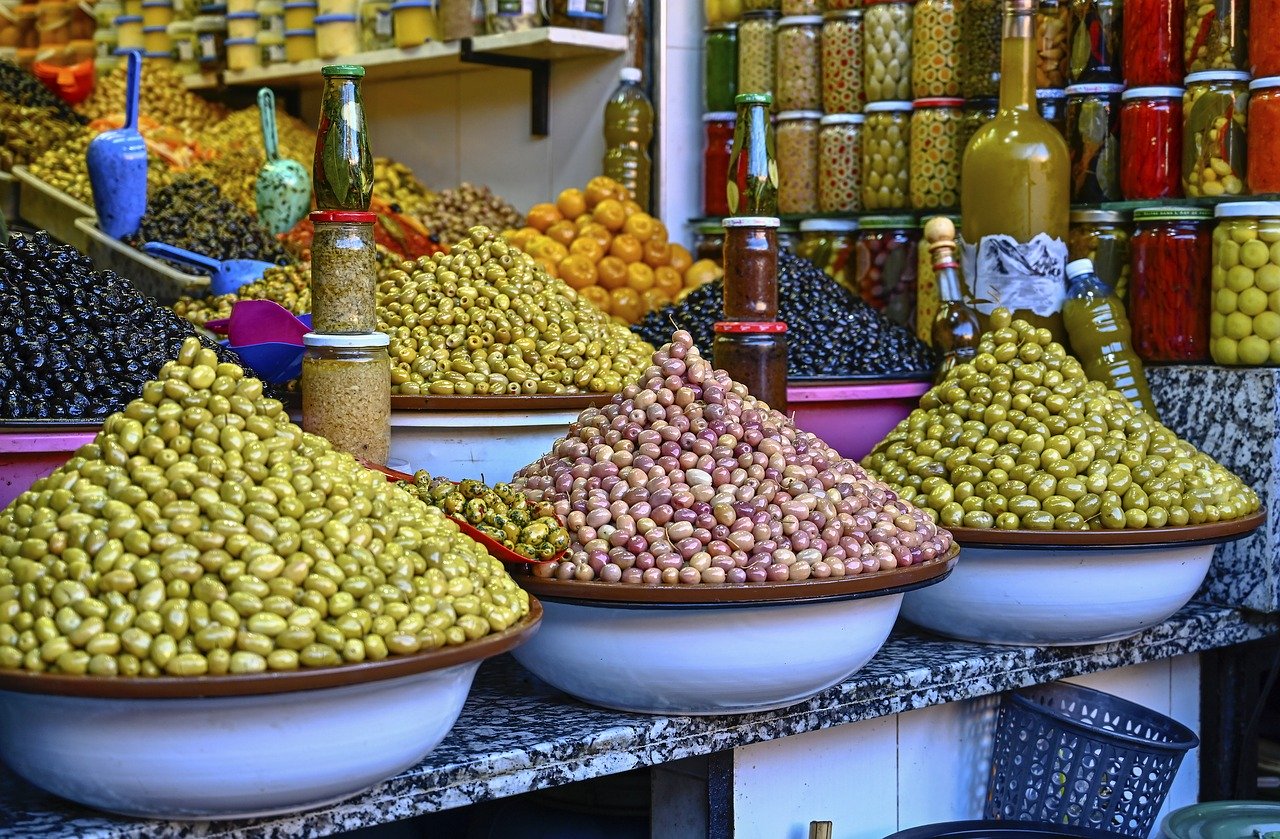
<point>756,52</point>
<point>842,62</point>
<point>935,49</point>
<point>1093,138</point>
<point>840,163</point>
<point>886,151</point>
<point>1102,236</point>
<point>980,29</point>
<point>1052,104</point>
<point>1053,23</point>
<point>796,144</point>
<point>828,243</point>
<point>720,66</point>
<point>975,114</point>
<point>1216,35</point>
<point>885,266</point>
<point>886,44</point>
<point>935,153</point>
<point>798,64</point>
<point>802,7</point>
<point>1244,326</point>
<point>1213,133</point>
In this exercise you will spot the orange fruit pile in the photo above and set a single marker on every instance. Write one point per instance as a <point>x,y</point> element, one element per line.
<point>600,242</point>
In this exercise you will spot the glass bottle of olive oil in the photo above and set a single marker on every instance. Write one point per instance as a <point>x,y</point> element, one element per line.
<point>1014,192</point>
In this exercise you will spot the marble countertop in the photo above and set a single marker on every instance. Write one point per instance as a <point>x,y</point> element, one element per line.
<point>495,751</point>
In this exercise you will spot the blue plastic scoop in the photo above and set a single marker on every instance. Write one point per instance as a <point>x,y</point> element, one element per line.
<point>225,275</point>
<point>117,163</point>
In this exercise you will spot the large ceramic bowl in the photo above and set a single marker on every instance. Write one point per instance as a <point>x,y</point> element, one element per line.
<point>237,746</point>
<point>713,649</point>
<point>1062,589</point>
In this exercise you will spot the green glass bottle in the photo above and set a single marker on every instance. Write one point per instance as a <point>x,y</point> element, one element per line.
<point>343,168</point>
<point>753,167</point>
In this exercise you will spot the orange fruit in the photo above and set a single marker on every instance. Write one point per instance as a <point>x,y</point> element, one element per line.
<point>571,203</point>
<point>543,216</point>
<point>654,299</point>
<point>563,232</point>
<point>578,271</point>
<point>597,231</point>
<point>657,253</point>
<point>681,259</point>
<point>583,220</point>
<point>522,237</point>
<point>598,296</point>
<point>659,231</point>
<point>700,272</point>
<point>598,189</point>
<point>549,249</point>
<point>639,225</point>
<point>621,192</point>
<point>627,248</point>
<point>588,247</point>
<point>667,280</point>
<point>627,304</point>
<point>609,212</point>
<point>640,276</point>
<point>630,207</point>
<point>611,272</point>
<point>549,266</point>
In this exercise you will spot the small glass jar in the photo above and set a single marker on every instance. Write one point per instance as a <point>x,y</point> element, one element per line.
<point>342,169</point>
<point>798,64</point>
<point>239,25</point>
<point>751,268</point>
<point>512,15</point>
<point>243,54</point>
<point>1102,236</point>
<point>346,392</point>
<point>1096,32</point>
<point>211,32</point>
<point>842,62</point>
<point>414,22</point>
<point>129,31</point>
<point>801,7</point>
<point>337,35</point>
<point>828,243</point>
<point>720,67</point>
<point>886,152</point>
<point>156,12</point>
<point>376,31</point>
<point>1053,52</point>
<point>300,14</point>
<point>762,5</point>
<point>935,49</point>
<point>1169,296</point>
<point>756,52</point>
<point>715,162</point>
<point>1244,326</point>
<point>935,154</point>
<point>755,354</point>
<point>344,273</point>
<point>300,45</point>
<point>885,266</point>
<point>796,141</point>
<point>1264,135</point>
<point>980,29</point>
<point>708,243</point>
<point>458,18</point>
<point>975,114</point>
<point>886,60</point>
<point>840,163</point>
<point>1215,36</point>
<point>182,34</point>
<point>1151,143</point>
<point>1052,104</point>
<point>156,39</point>
<point>1153,43</point>
<point>271,19</point>
<point>1264,46</point>
<point>1214,143</point>
<point>1093,138</point>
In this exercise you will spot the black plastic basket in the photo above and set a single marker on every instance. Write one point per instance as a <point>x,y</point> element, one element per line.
<point>1065,754</point>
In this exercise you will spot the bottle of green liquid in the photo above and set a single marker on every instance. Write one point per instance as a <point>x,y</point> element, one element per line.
<point>628,129</point>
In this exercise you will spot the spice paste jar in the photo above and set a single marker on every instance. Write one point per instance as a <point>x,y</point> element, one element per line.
<point>751,268</point>
<point>1264,45</point>
<point>886,45</point>
<point>1151,143</point>
<point>935,154</point>
<point>1264,135</point>
<point>756,52</point>
<point>1103,237</point>
<point>715,162</point>
<point>980,30</point>
<point>344,272</point>
<point>1093,138</point>
<point>1053,27</point>
<point>886,151</point>
<point>1215,36</point>
<point>935,49</point>
<point>1244,326</point>
<point>798,64</point>
<point>1096,50</point>
<point>840,163</point>
<point>1169,298</point>
<point>756,355</point>
<point>346,392</point>
<point>842,62</point>
<point>975,114</point>
<point>1153,42</point>
<point>458,18</point>
<point>1214,150</point>
<point>1052,105</point>
<point>796,143</point>
<point>828,243</point>
<point>885,266</point>
<point>720,67</point>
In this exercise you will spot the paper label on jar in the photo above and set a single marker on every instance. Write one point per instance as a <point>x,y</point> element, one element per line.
<point>208,47</point>
<point>273,24</point>
<point>382,23</point>
<point>586,8</point>
<point>1005,272</point>
<point>186,51</point>
<point>515,8</point>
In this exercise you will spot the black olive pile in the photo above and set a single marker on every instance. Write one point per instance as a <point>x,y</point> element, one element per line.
<point>831,332</point>
<point>76,343</point>
<point>21,88</point>
<point>192,213</point>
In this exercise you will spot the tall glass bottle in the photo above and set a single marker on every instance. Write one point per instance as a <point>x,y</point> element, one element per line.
<point>1014,192</point>
<point>955,332</point>
<point>628,128</point>
<point>343,167</point>
<point>753,166</point>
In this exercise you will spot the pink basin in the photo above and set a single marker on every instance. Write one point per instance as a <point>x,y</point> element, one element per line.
<point>852,418</point>
<point>27,455</point>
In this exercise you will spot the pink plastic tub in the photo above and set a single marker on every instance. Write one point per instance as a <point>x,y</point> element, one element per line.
<point>852,418</point>
<point>27,455</point>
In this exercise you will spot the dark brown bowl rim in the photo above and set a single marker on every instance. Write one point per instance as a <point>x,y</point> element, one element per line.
<point>1221,531</point>
<point>520,402</point>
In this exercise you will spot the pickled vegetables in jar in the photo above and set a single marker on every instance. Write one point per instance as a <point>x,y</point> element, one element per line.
<point>1169,289</point>
<point>1053,56</point>
<point>1102,236</point>
<point>885,156</point>
<point>885,266</point>
<point>840,163</point>
<point>842,62</point>
<point>756,52</point>
<point>796,142</point>
<point>828,244</point>
<point>798,64</point>
<point>1215,36</point>
<point>1244,326</point>
<point>1214,150</point>
<point>935,153</point>
<point>1153,43</point>
<point>1151,143</point>
<point>1264,136</point>
<point>1096,32</point>
<point>1093,138</point>
<point>980,31</point>
<point>935,49</point>
<point>886,45</point>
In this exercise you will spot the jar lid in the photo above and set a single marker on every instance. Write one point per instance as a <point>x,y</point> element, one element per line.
<point>1090,89</point>
<point>355,342</point>
<point>342,216</point>
<point>752,221</point>
<point>127,19</point>
<point>413,4</point>
<point>1050,93</point>
<point>1078,267</point>
<point>151,30</point>
<point>761,14</point>
<point>243,16</point>
<point>800,20</point>
<point>1249,209</point>
<point>710,228</point>
<point>843,14</point>
<point>750,327</point>
<point>241,42</point>
<point>1170,213</point>
<point>181,27</point>
<point>709,116</point>
<point>842,119</point>
<point>883,222</point>
<point>157,4</point>
<point>728,26</point>
<point>299,33</point>
<point>874,107</point>
<point>939,102</point>
<point>300,4</point>
<point>841,225</point>
<point>1155,93</point>
<point>753,99</point>
<point>1264,83</point>
<point>339,19</point>
<point>1215,76</point>
<point>984,103</point>
<point>1096,217</point>
<point>788,116</point>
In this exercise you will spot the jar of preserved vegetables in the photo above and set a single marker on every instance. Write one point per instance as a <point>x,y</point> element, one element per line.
<point>886,150</point>
<point>715,162</point>
<point>1096,32</point>
<point>1214,149</point>
<point>1244,326</point>
<point>1153,42</point>
<point>975,114</point>
<point>762,5</point>
<point>1169,289</point>
<point>885,266</point>
<point>886,44</point>
<point>755,52</point>
<point>1151,143</point>
<point>1264,46</point>
<point>980,28</point>
<point>1102,236</point>
<point>935,49</point>
<point>828,243</point>
<point>842,62</point>
<point>1093,137</point>
<point>843,5</point>
<point>346,392</point>
<point>796,140</point>
<point>1264,135</point>
<point>935,154</point>
<point>1215,35</point>
<point>1052,104</point>
<point>462,18</point>
<point>802,7</point>
<point>798,84</point>
<point>708,242</point>
<point>720,67</point>
<point>840,163</point>
<point>716,11</point>
<point>1053,25</point>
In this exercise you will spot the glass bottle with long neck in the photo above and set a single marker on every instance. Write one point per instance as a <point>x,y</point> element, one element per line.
<point>1014,188</point>
<point>955,330</point>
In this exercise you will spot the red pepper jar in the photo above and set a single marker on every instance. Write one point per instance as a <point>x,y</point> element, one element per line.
<point>715,162</point>
<point>1153,42</point>
<point>1151,143</point>
<point>1263,159</point>
<point>1169,288</point>
<point>1264,37</point>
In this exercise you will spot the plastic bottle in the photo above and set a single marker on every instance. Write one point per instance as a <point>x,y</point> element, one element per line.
<point>628,129</point>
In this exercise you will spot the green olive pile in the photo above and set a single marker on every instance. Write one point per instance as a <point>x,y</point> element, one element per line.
<point>22,88</point>
<point>164,98</point>
<point>1021,439</point>
<point>288,285</point>
<point>485,319</point>
<point>28,132</point>
<point>501,512</point>
<point>204,533</point>
<point>63,167</point>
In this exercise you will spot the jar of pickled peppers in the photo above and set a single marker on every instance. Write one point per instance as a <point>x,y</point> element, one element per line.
<point>1102,236</point>
<point>796,143</point>
<point>715,161</point>
<point>842,62</point>
<point>756,52</point>
<point>798,84</point>
<point>1151,143</point>
<point>1264,47</point>
<point>886,151</point>
<point>1153,43</point>
<point>1053,28</point>
<point>1244,326</point>
<point>935,49</point>
<point>1264,135</point>
<point>886,45</point>
<point>1214,150</point>
<point>1096,32</point>
<point>840,163</point>
<point>720,67</point>
<point>1169,296</point>
<point>935,154</point>
<point>1093,139</point>
<point>1052,104</point>
<point>1215,35</point>
<point>828,244</point>
<point>885,266</point>
<point>980,30</point>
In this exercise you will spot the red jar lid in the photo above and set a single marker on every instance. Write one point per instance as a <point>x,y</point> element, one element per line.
<point>343,217</point>
<point>753,327</point>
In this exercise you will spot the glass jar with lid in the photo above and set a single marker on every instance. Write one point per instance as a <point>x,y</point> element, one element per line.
<point>720,66</point>
<point>1264,135</point>
<point>708,242</point>
<point>462,18</point>
<point>756,52</point>
<point>935,154</point>
<point>762,5</point>
<point>1215,35</point>
<point>798,64</point>
<point>375,25</point>
<point>1169,296</point>
<point>842,62</point>
<point>886,46</point>
<point>1051,102</point>
<point>588,15</point>
<point>802,7</point>
<point>840,163</point>
<point>1214,144</point>
<point>1096,31</point>
<point>715,162</point>
<point>935,49</point>
<point>843,5</point>
<point>1153,43</point>
<point>796,142</point>
<point>886,152</point>
<point>1053,26</point>
<point>980,29</point>
<point>346,392</point>
<point>1244,326</point>
<point>1093,138</point>
<point>1264,46</point>
<point>828,243</point>
<point>512,15</point>
<point>1151,143</point>
<point>1102,236</point>
<point>885,266</point>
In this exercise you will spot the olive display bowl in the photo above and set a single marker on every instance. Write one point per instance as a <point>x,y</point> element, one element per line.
<point>1050,588</point>
<point>713,649</point>
<point>233,747</point>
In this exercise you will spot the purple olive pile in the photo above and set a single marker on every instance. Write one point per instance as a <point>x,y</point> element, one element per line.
<point>685,478</point>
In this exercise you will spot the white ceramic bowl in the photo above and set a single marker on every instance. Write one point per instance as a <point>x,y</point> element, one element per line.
<point>475,444</point>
